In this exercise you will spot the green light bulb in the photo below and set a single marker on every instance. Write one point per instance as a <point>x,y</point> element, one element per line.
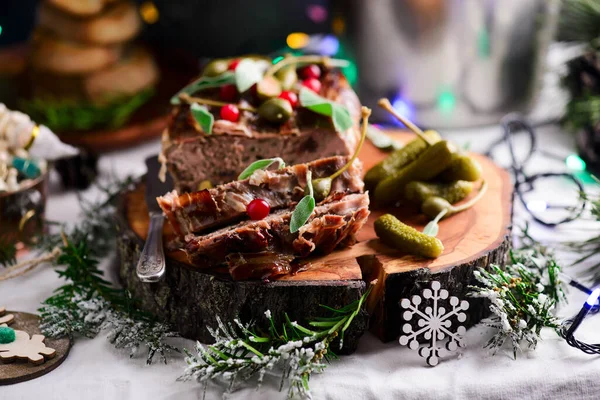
<point>446,101</point>
<point>575,162</point>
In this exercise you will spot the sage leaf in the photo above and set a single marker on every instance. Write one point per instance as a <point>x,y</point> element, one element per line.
<point>339,114</point>
<point>432,228</point>
<point>302,213</point>
<point>204,82</point>
<point>261,164</point>
<point>381,140</point>
<point>203,117</point>
<point>304,208</point>
<point>247,73</point>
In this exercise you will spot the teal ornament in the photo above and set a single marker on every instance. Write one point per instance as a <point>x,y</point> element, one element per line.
<point>26,167</point>
<point>7,335</point>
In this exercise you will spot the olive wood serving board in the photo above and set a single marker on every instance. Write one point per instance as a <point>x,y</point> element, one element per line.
<point>190,298</point>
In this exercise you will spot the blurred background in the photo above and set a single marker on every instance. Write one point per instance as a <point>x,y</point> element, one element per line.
<point>443,63</point>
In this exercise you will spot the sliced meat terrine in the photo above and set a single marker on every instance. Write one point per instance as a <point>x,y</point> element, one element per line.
<point>226,204</point>
<point>239,137</point>
<point>266,248</point>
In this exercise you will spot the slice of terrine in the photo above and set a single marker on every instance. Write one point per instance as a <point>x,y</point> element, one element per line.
<point>226,204</point>
<point>266,248</point>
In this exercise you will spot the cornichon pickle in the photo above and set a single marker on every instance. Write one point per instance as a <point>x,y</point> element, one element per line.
<point>406,238</point>
<point>215,68</point>
<point>275,110</point>
<point>434,160</point>
<point>287,76</point>
<point>399,159</point>
<point>462,168</point>
<point>417,192</point>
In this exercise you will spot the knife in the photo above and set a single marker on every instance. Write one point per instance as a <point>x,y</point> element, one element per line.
<point>151,265</point>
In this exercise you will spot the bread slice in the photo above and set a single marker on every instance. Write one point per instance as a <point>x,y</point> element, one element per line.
<point>64,57</point>
<point>225,204</point>
<point>80,8</point>
<point>117,23</point>
<point>266,248</point>
<point>134,73</point>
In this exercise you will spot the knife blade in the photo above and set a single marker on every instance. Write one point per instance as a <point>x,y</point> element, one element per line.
<point>151,265</point>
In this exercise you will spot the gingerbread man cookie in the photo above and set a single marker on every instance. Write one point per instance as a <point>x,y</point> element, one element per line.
<point>5,319</point>
<point>34,350</point>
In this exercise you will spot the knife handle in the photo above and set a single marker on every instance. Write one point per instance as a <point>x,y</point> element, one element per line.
<point>151,266</point>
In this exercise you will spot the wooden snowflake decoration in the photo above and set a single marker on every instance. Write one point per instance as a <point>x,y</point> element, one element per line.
<point>24,348</point>
<point>432,334</point>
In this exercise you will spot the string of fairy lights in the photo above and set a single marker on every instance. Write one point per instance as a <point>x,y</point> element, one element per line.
<point>512,125</point>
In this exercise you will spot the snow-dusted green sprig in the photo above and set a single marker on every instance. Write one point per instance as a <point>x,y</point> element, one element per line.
<point>242,351</point>
<point>522,295</point>
<point>87,303</point>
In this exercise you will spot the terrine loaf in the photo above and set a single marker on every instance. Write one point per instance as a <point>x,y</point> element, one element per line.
<point>241,110</point>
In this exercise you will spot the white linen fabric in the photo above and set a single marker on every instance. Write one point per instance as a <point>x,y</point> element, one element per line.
<point>95,370</point>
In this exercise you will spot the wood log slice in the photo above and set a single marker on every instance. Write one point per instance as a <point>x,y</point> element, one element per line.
<point>191,299</point>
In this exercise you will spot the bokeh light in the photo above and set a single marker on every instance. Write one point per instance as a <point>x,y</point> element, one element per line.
<point>316,13</point>
<point>446,100</point>
<point>575,163</point>
<point>297,40</point>
<point>149,12</point>
<point>404,108</point>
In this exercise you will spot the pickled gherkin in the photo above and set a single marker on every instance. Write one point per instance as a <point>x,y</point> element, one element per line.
<point>399,159</point>
<point>434,160</point>
<point>462,168</point>
<point>400,236</point>
<point>417,192</point>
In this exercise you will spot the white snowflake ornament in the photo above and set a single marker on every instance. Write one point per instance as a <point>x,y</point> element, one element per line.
<point>434,324</point>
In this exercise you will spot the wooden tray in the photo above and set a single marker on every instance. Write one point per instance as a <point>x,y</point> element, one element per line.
<point>190,298</point>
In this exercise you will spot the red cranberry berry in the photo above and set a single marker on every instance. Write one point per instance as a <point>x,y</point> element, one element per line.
<point>291,97</point>
<point>228,92</point>
<point>258,209</point>
<point>233,65</point>
<point>230,112</point>
<point>310,71</point>
<point>313,84</point>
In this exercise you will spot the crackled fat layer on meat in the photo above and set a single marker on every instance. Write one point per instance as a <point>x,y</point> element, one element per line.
<point>331,225</point>
<point>192,157</point>
<point>224,204</point>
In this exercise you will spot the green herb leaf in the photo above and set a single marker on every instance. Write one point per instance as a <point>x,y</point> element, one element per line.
<point>204,117</point>
<point>339,114</point>
<point>304,208</point>
<point>302,213</point>
<point>261,164</point>
<point>381,140</point>
<point>432,228</point>
<point>247,73</point>
<point>204,82</point>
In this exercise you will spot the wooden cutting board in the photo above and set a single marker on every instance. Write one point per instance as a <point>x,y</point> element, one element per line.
<point>190,298</point>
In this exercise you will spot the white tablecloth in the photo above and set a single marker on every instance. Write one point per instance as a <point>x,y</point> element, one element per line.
<point>95,370</point>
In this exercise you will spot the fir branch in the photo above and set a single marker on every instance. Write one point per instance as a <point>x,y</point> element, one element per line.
<point>88,303</point>
<point>522,295</point>
<point>580,21</point>
<point>241,351</point>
